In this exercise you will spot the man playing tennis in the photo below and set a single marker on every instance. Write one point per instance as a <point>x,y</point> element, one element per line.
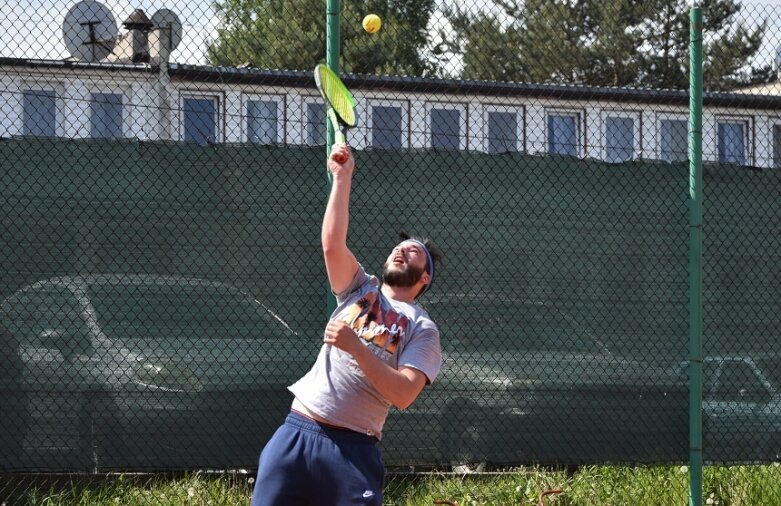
<point>379,349</point>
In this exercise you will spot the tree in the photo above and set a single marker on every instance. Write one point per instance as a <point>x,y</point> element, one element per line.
<point>290,35</point>
<point>728,46</point>
<point>599,43</point>
<point>484,44</point>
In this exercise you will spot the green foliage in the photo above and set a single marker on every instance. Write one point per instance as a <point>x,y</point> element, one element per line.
<point>588,42</point>
<point>290,35</point>
<point>484,43</point>
<point>597,43</point>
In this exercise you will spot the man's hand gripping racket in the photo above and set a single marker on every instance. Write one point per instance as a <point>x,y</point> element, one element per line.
<point>340,102</point>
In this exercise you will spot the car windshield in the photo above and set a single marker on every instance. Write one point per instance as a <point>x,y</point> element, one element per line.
<point>771,368</point>
<point>484,325</point>
<point>175,311</point>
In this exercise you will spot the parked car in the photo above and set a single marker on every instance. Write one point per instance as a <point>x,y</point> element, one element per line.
<point>525,382</point>
<point>143,372</point>
<point>147,372</point>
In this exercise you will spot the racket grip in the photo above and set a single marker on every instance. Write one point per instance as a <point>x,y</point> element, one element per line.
<point>340,138</point>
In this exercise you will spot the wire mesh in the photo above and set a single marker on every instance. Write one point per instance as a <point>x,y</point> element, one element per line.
<point>163,185</point>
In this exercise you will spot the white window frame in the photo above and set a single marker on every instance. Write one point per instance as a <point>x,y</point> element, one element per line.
<point>126,119</point>
<point>668,117</point>
<point>579,122</point>
<point>772,122</point>
<point>218,100</point>
<point>59,104</point>
<point>520,127</point>
<point>281,123</point>
<point>748,123</point>
<point>462,125</point>
<point>403,105</point>
<point>305,101</point>
<point>637,134</point>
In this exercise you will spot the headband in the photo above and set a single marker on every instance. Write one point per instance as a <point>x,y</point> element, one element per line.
<point>429,263</point>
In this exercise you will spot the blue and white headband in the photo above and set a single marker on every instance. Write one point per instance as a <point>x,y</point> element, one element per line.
<point>429,264</point>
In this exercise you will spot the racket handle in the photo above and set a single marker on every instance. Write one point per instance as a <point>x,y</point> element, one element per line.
<point>340,138</point>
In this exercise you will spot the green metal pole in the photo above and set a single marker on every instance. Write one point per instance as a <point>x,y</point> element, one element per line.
<point>332,52</point>
<point>332,49</point>
<point>695,257</point>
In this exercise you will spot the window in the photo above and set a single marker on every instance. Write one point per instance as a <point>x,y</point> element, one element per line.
<point>200,119</point>
<point>771,368</point>
<point>315,124</point>
<point>777,146</point>
<point>502,131</point>
<point>387,126</point>
<point>50,317</point>
<point>445,127</point>
<point>738,382</point>
<point>619,139</point>
<point>262,121</point>
<point>563,134</point>
<point>732,141</point>
<point>140,315</point>
<point>673,140</point>
<point>106,115</point>
<point>39,113</point>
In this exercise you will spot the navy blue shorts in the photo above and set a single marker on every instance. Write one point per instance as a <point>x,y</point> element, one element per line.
<point>307,463</point>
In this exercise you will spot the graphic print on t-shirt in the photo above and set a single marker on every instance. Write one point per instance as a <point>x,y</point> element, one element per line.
<point>383,327</point>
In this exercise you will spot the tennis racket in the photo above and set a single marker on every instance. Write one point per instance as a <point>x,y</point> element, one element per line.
<point>339,100</point>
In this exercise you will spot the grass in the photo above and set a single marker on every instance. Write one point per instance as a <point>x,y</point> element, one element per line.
<point>588,486</point>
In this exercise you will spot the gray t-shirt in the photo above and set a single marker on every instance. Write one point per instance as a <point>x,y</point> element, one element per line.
<point>400,334</point>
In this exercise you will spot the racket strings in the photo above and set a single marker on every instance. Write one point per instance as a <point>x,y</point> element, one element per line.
<point>343,108</point>
<point>337,95</point>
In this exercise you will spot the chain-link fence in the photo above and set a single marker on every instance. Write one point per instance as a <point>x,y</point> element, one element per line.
<point>163,183</point>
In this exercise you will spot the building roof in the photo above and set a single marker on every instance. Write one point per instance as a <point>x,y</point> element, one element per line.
<point>304,79</point>
<point>460,87</point>
<point>77,65</point>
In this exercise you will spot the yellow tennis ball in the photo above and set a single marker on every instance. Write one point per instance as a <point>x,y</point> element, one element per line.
<point>372,23</point>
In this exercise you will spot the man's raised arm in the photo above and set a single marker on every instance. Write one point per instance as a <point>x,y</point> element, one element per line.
<point>340,263</point>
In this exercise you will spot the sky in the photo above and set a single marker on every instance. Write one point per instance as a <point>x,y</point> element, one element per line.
<point>33,29</point>
<point>772,3</point>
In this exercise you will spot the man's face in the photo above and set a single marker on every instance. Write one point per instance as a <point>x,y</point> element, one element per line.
<point>405,265</point>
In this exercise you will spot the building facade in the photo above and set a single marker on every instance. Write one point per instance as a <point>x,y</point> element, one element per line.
<point>202,104</point>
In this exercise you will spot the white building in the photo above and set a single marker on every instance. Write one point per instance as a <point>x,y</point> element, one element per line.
<point>162,101</point>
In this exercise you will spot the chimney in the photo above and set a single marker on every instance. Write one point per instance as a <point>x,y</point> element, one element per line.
<point>777,63</point>
<point>148,41</point>
<point>138,26</point>
<point>160,41</point>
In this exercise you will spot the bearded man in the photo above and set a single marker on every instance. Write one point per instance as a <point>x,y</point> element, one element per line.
<point>380,348</point>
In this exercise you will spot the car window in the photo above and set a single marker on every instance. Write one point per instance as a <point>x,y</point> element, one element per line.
<point>771,368</point>
<point>739,382</point>
<point>710,372</point>
<point>158,311</point>
<point>500,326</point>
<point>48,317</point>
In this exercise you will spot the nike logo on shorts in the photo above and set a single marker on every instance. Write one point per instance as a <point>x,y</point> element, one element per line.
<point>368,493</point>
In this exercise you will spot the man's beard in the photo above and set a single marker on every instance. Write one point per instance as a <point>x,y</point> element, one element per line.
<point>401,278</point>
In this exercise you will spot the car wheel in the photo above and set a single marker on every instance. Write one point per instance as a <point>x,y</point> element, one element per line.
<point>774,449</point>
<point>463,437</point>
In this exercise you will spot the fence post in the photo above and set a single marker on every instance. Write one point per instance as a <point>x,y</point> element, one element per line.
<point>695,256</point>
<point>332,52</point>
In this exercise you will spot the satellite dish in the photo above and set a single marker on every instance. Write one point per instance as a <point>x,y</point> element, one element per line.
<point>167,19</point>
<point>89,31</point>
